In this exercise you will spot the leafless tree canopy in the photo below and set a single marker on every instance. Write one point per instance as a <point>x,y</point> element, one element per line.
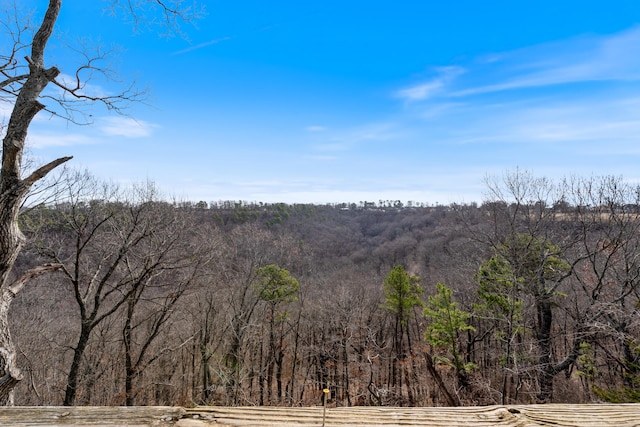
<point>164,303</point>
<point>30,85</point>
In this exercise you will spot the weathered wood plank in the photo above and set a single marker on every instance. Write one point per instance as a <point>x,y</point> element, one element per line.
<point>496,417</point>
<point>512,416</point>
<point>90,416</point>
<point>622,415</point>
<point>507,416</point>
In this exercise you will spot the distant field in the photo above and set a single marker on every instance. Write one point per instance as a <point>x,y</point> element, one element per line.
<point>516,415</point>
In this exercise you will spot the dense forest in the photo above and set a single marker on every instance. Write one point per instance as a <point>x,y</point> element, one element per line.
<point>530,296</point>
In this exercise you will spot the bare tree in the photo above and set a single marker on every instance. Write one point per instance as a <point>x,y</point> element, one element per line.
<point>248,249</point>
<point>606,292</point>
<point>25,77</point>
<point>187,251</point>
<point>14,188</point>
<point>116,254</point>
<point>523,233</point>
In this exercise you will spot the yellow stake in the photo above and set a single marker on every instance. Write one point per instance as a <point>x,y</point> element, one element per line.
<point>324,404</point>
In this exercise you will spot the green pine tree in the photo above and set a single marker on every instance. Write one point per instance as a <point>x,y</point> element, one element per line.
<point>447,322</point>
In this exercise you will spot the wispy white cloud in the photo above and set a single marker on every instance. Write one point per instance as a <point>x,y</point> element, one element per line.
<point>86,87</point>
<point>331,146</point>
<point>421,91</point>
<point>45,140</point>
<point>484,106</point>
<point>201,45</point>
<point>433,111</point>
<point>5,111</point>
<point>322,158</point>
<point>431,87</point>
<point>317,189</point>
<point>582,59</point>
<point>315,128</point>
<point>124,126</point>
<point>609,124</point>
<point>384,131</point>
<point>352,139</point>
<point>593,58</point>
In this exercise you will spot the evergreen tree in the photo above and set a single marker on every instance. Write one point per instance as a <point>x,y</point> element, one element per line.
<point>402,294</point>
<point>275,286</point>
<point>501,305</point>
<point>447,321</point>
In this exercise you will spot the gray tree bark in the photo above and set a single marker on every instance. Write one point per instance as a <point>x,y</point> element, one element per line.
<point>25,84</point>
<point>13,190</point>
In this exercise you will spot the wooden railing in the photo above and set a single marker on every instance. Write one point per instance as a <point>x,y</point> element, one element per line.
<point>517,415</point>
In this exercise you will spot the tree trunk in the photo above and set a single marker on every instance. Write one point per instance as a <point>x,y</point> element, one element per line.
<point>431,367</point>
<point>72,377</point>
<point>13,189</point>
<point>261,369</point>
<point>129,369</point>
<point>279,369</point>
<point>10,374</point>
<point>546,369</point>
<point>294,363</point>
<point>232,360</point>
<point>206,369</point>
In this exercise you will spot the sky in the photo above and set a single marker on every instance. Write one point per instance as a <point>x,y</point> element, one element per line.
<point>349,101</point>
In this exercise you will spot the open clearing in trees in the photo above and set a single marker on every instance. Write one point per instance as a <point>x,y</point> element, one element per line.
<point>514,415</point>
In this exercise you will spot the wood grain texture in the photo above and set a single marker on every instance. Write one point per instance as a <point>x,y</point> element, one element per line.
<point>511,416</point>
<point>135,416</point>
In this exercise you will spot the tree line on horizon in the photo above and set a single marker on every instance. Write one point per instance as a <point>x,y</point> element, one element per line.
<point>531,296</point>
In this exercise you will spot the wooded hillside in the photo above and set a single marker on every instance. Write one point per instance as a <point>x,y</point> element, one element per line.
<point>531,296</point>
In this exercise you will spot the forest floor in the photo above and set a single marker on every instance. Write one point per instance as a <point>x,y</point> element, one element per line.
<point>619,415</point>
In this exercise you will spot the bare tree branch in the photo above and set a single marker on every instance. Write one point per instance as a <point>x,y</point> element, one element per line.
<point>26,277</point>
<point>27,85</point>
<point>42,171</point>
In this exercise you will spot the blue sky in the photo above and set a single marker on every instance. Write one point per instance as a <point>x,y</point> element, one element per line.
<point>346,101</point>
